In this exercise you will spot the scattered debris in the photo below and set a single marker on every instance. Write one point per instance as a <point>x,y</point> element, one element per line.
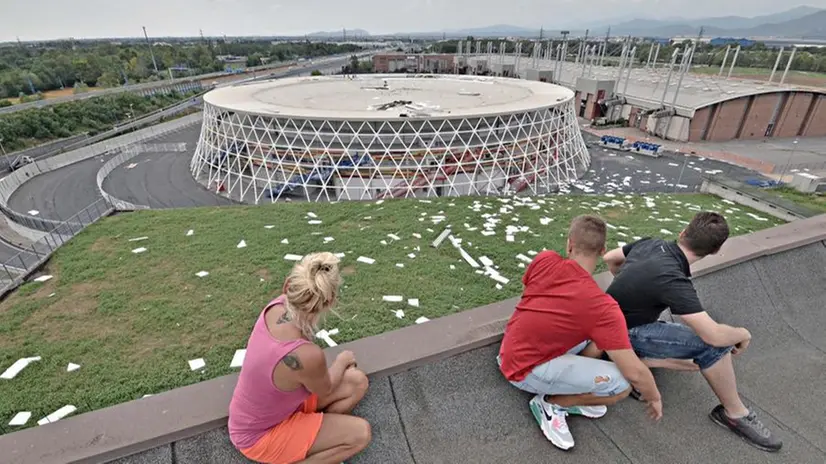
<point>394,237</point>
<point>291,257</point>
<point>393,298</point>
<point>311,214</point>
<point>18,366</point>
<point>238,358</point>
<point>139,250</point>
<point>241,244</point>
<point>413,302</point>
<point>202,274</point>
<point>314,222</point>
<point>21,418</point>
<point>190,233</point>
<point>326,334</point>
<point>399,264</point>
<point>195,364</point>
<point>422,320</point>
<point>138,239</point>
<point>285,242</point>
<point>72,367</point>
<point>364,259</point>
<point>269,227</point>
<point>43,278</point>
<point>57,415</point>
<point>665,231</point>
<point>329,239</point>
<point>399,313</point>
<point>33,212</point>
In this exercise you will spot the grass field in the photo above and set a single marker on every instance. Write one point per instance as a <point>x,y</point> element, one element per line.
<point>132,321</point>
<point>806,78</point>
<point>814,201</point>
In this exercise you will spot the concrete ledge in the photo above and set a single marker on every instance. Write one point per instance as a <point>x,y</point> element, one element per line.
<point>143,425</point>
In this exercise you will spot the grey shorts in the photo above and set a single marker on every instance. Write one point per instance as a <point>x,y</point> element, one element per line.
<point>571,374</point>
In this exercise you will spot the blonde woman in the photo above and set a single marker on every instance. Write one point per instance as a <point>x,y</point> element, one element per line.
<point>288,406</point>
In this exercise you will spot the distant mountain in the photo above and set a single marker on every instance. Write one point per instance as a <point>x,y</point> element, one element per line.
<point>810,26</point>
<point>713,26</point>
<point>351,33</point>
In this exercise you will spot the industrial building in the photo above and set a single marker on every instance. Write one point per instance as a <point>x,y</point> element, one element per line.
<point>419,62</point>
<point>666,101</point>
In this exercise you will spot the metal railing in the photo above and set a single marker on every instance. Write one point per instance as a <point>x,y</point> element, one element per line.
<point>14,271</point>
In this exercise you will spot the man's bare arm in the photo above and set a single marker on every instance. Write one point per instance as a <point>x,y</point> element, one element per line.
<point>614,259</point>
<point>714,333</point>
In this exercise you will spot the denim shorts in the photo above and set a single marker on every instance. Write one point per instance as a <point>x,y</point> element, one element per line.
<point>662,340</point>
<point>571,374</point>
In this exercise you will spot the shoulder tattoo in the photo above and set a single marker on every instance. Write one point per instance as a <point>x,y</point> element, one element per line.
<point>292,362</point>
<point>285,317</point>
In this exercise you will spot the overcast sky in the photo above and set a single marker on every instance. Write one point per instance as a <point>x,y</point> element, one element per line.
<point>47,19</point>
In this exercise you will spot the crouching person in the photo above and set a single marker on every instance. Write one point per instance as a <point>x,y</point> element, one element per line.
<point>288,406</point>
<point>563,322</point>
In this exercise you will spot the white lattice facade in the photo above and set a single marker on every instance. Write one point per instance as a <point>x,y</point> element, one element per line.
<point>265,158</point>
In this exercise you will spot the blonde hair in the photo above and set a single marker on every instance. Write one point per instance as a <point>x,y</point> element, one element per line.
<point>311,290</point>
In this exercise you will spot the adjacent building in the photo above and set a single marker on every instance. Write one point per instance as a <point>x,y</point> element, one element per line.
<point>410,62</point>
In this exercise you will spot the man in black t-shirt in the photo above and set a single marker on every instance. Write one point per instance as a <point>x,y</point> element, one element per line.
<point>652,275</point>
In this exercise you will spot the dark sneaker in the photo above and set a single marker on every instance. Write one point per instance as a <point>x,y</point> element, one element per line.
<point>748,428</point>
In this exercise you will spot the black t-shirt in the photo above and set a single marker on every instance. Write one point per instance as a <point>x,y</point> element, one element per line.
<point>655,276</point>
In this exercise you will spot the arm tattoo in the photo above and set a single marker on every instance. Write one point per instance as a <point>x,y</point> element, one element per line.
<point>292,362</point>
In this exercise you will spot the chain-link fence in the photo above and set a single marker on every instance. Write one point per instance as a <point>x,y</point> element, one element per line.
<point>15,270</point>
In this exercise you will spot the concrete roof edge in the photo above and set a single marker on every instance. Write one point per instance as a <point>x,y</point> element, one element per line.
<point>187,411</point>
<point>760,92</point>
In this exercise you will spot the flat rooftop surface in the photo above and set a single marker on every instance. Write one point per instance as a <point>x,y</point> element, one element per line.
<point>647,85</point>
<point>462,410</point>
<point>372,96</point>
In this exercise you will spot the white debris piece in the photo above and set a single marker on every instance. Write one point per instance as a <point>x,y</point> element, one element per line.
<point>399,313</point>
<point>485,261</point>
<point>131,165</point>
<point>314,222</point>
<point>665,231</point>
<point>413,302</point>
<point>488,233</point>
<point>524,258</point>
<point>499,278</point>
<point>18,366</point>
<point>329,239</point>
<point>291,257</point>
<point>33,212</point>
<point>138,239</point>
<point>139,250</point>
<point>399,265</point>
<point>325,335</point>
<point>190,233</point>
<point>417,235</point>
<point>422,320</point>
<point>545,221</point>
<point>241,244</point>
<point>43,278</point>
<point>269,227</point>
<point>311,214</point>
<point>365,260</point>
<point>20,418</point>
<point>754,216</point>
<point>285,242</point>
<point>57,415</point>
<point>393,298</point>
<point>72,367</point>
<point>195,364</point>
<point>202,274</point>
<point>394,237</point>
<point>340,255</point>
<point>441,238</point>
<point>411,255</point>
<point>238,358</point>
<point>509,238</point>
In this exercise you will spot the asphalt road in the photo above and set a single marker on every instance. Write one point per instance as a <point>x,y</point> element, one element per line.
<point>162,180</point>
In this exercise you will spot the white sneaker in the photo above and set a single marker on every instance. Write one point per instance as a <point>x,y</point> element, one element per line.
<point>551,420</point>
<point>592,412</point>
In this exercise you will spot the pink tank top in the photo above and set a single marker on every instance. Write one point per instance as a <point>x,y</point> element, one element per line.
<point>257,405</point>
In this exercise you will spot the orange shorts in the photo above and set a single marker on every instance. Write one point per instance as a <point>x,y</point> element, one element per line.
<point>289,441</point>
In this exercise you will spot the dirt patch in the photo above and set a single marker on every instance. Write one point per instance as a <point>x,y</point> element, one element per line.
<point>263,273</point>
<point>614,214</point>
<point>348,270</point>
<point>103,244</point>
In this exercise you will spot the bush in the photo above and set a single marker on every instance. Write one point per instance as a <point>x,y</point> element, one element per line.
<point>5,103</point>
<point>80,87</point>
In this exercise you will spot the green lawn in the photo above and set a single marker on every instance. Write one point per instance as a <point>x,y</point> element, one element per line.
<point>815,201</point>
<point>132,321</point>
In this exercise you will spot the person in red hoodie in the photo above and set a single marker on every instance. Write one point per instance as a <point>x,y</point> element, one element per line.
<point>561,327</point>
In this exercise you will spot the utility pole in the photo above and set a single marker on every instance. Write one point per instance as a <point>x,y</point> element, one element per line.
<point>670,72</point>
<point>776,63</point>
<point>734,61</point>
<point>788,65</point>
<point>725,58</point>
<point>151,53</point>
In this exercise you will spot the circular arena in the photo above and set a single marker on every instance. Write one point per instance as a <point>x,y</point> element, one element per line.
<point>388,136</point>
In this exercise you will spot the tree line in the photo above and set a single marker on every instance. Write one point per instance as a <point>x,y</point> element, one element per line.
<point>26,70</point>
<point>30,127</point>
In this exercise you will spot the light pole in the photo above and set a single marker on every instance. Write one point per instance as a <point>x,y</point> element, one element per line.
<point>788,162</point>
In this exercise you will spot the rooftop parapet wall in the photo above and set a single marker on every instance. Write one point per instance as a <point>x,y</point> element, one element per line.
<point>192,417</point>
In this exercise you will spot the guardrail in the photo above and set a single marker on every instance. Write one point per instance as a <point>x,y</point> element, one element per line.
<point>13,181</point>
<point>14,271</point>
<point>126,155</point>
